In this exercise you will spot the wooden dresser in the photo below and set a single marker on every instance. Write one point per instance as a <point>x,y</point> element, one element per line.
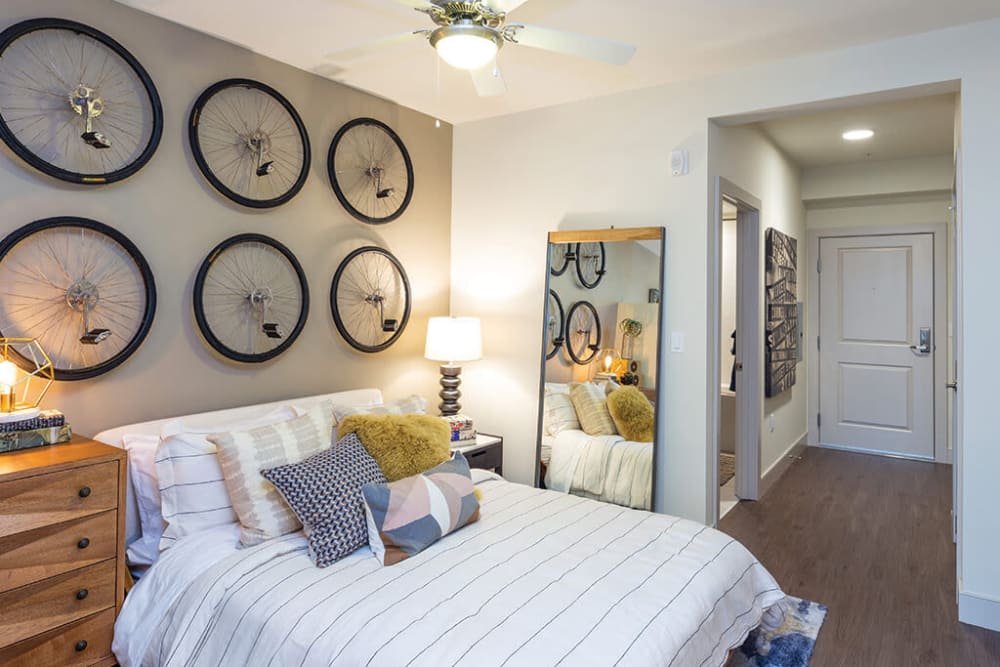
<point>62,553</point>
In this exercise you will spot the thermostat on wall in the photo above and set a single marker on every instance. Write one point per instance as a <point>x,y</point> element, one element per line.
<point>678,163</point>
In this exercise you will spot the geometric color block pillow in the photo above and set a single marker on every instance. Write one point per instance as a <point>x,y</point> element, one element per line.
<point>407,516</point>
<point>324,491</point>
<point>402,445</point>
<point>591,406</point>
<point>242,455</point>
<point>633,414</point>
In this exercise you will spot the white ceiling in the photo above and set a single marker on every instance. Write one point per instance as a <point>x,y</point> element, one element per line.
<point>676,40</point>
<point>917,127</point>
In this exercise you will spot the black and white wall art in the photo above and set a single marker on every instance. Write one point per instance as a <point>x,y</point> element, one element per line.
<point>782,327</point>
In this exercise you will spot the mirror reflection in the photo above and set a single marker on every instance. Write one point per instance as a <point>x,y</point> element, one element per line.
<point>598,392</point>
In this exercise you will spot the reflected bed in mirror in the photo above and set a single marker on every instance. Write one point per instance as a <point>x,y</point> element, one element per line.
<point>602,324</point>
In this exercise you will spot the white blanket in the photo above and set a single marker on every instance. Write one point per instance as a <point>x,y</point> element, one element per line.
<point>605,467</point>
<point>542,579</point>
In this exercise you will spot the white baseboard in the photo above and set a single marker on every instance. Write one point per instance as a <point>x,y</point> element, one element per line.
<point>980,610</point>
<point>778,468</point>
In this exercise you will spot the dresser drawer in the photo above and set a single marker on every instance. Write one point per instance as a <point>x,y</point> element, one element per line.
<point>46,499</point>
<point>46,552</point>
<point>82,643</point>
<point>486,458</point>
<point>49,604</point>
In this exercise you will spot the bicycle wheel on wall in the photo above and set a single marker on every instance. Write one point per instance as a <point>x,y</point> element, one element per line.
<point>370,171</point>
<point>74,103</point>
<point>249,142</point>
<point>562,255</point>
<point>251,299</point>
<point>583,332</point>
<point>81,288</point>
<point>555,325</point>
<point>590,263</point>
<point>370,299</point>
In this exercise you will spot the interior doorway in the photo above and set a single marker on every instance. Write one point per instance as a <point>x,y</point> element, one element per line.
<point>735,459</point>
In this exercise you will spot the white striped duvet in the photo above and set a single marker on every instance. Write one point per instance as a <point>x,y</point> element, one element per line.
<point>542,579</point>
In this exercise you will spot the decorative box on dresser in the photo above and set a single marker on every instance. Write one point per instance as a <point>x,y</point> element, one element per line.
<point>62,553</point>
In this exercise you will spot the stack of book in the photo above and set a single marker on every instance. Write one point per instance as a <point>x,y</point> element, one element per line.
<point>46,428</point>
<point>462,429</point>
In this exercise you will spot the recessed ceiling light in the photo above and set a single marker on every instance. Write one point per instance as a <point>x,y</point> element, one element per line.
<point>858,135</point>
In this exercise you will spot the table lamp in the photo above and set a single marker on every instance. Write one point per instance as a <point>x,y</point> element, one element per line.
<point>451,340</point>
<point>21,391</point>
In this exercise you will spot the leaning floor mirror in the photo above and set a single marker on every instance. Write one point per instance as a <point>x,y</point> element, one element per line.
<point>602,325</point>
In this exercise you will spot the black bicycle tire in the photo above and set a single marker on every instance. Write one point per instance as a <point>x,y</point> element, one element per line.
<point>207,172</point>
<point>565,265</point>
<point>331,172</point>
<point>145,271</point>
<point>199,305</point>
<point>31,25</point>
<point>582,361</point>
<point>338,321</point>
<point>600,271</point>
<point>557,341</point>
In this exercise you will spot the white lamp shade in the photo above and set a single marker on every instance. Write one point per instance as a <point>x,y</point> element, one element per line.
<point>454,339</point>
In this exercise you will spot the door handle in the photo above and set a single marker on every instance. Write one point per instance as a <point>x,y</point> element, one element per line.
<point>923,345</point>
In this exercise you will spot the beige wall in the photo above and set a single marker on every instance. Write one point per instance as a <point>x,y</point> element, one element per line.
<point>583,164</point>
<point>175,218</point>
<point>879,177</point>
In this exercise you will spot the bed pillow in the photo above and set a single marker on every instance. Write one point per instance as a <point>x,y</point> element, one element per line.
<point>412,404</point>
<point>591,406</point>
<point>407,516</point>
<point>262,513</point>
<point>560,415</point>
<point>632,413</point>
<point>142,471</point>
<point>324,491</point>
<point>402,445</point>
<point>193,493</point>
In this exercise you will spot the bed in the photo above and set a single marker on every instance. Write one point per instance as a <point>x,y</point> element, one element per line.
<point>543,578</point>
<point>608,468</point>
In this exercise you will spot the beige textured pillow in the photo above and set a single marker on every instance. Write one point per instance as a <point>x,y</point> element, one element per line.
<point>262,512</point>
<point>592,409</point>
<point>559,414</point>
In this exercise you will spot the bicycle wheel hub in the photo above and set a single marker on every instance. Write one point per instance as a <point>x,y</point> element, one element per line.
<point>85,102</point>
<point>259,143</point>
<point>82,295</point>
<point>260,298</point>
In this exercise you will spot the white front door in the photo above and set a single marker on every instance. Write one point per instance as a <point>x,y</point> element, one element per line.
<point>876,370</point>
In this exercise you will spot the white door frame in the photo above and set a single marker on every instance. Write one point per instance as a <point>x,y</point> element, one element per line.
<point>940,339</point>
<point>749,341</point>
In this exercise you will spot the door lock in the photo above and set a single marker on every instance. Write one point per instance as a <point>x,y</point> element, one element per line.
<point>923,345</point>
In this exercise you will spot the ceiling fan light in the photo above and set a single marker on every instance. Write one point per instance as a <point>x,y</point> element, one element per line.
<point>466,46</point>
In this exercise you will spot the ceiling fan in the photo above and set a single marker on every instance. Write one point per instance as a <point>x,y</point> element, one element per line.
<point>470,34</point>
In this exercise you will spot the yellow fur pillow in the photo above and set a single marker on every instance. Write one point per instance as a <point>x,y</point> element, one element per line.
<point>633,414</point>
<point>402,445</point>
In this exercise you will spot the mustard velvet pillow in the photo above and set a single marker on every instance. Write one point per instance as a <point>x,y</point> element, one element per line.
<point>402,445</point>
<point>633,414</point>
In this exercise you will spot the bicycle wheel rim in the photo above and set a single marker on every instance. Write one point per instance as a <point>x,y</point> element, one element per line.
<point>348,329</point>
<point>557,340</point>
<point>588,351</point>
<point>586,262</point>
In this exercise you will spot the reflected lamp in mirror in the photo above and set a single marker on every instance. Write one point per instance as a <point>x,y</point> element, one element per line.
<point>26,374</point>
<point>451,340</point>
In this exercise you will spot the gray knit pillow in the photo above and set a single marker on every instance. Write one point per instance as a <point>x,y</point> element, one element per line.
<point>324,491</point>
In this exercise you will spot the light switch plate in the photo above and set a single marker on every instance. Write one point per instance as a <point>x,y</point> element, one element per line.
<point>676,341</point>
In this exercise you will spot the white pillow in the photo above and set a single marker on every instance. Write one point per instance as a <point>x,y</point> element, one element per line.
<point>412,404</point>
<point>560,415</point>
<point>142,471</point>
<point>192,489</point>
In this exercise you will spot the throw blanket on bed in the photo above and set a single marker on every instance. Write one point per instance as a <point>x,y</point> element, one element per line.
<point>542,579</point>
<point>604,467</point>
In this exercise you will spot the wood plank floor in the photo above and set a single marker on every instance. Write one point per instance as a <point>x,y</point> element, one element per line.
<point>868,536</point>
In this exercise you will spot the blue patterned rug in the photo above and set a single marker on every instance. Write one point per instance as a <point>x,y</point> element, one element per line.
<point>787,640</point>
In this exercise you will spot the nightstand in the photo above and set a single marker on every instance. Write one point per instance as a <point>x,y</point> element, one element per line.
<point>486,452</point>
<point>62,565</point>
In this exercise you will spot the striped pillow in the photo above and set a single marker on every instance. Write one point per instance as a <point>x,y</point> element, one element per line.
<point>407,516</point>
<point>263,514</point>
<point>412,404</point>
<point>324,491</point>
<point>559,413</point>
<point>591,406</point>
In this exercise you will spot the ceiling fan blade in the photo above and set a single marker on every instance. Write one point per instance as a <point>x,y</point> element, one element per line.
<point>506,6</point>
<point>415,4</point>
<point>584,46</point>
<point>377,46</point>
<point>488,80</point>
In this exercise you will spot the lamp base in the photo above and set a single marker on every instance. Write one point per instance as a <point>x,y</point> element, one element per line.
<point>450,382</point>
<point>19,415</point>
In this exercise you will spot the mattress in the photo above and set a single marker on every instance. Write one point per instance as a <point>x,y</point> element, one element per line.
<point>542,578</point>
<point>604,467</point>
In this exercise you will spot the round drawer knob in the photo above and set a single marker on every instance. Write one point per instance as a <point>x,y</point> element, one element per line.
<point>83,544</point>
<point>82,593</point>
<point>84,492</point>
<point>81,645</point>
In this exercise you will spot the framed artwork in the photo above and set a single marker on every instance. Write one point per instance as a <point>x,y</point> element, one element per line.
<point>781,335</point>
